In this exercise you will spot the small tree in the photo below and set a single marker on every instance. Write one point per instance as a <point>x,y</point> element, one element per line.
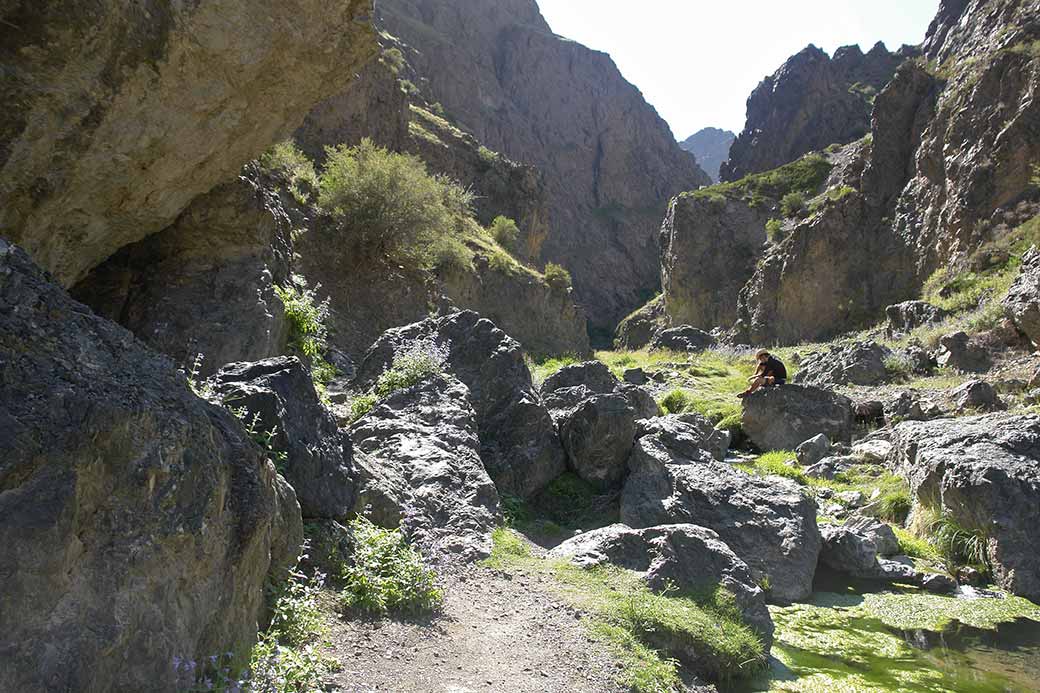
<point>774,227</point>
<point>385,202</point>
<point>505,231</point>
<point>792,204</point>
<point>557,277</point>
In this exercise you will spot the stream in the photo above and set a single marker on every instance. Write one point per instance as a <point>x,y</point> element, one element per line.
<point>848,639</point>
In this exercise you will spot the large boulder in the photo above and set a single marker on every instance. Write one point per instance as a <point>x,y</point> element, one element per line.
<point>976,396</point>
<point>780,418</point>
<point>861,363</point>
<point>518,441</point>
<point>960,352</point>
<point>684,339</point>
<point>160,102</point>
<point>138,523</point>
<point>880,533</point>
<point>1022,303</point>
<point>597,437</point>
<point>276,396</point>
<point>813,450</point>
<point>848,551</point>
<point>984,473</point>
<point>422,451</point>
<point>689,557</point>
<point>908,315</point>
<point>688,431</point>
<point>769,523</point>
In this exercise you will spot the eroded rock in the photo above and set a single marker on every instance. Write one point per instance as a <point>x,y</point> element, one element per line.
<point>1022,303</point>
<point>862,363</point>
<point>780,418</point>
<point>138,523</point>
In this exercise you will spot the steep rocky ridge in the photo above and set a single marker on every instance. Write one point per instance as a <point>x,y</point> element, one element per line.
<point>158,102</point>
<point>948,166</point>
<point>812,101</point>
<point>609,161</point>
<point>711,147</point>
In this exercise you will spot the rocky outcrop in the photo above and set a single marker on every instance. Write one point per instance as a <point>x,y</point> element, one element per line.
<point>639,328</point>
<point>781,418</point>
<point>118,118</point>
<point>687,432</point>
<point>962,353</point>
<point>861,363</point>
<point>518,441</point>
<point>276,398</point>
<point>908,315</point>
<point>423,442</point>
<point>983,472</point>
<point>138,523</point>
<point>691,558</point>
<point>711,147</point>
<point>1022,303</point>
<point>205,286</point>
<point>812,101</point>
<point>684,339</point>
<point>597,437</point>
<point>609,162</point>
<point>709,248</point>
<point>768,523</point>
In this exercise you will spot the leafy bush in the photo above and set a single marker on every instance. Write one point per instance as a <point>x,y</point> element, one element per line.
<point>774,227</point>
<point>361,405</point>
<point>285,159</point>
<point>394,58</point>
<point>792,204</point>
<point>307,332</point>
<point>505,231</point>
<point>418,360</point>
<point>557,277</point>
<point>386,203</point>
<point>804,175</point>
<point>387,575</point>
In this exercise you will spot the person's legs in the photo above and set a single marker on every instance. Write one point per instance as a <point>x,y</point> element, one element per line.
<point>756,384</point>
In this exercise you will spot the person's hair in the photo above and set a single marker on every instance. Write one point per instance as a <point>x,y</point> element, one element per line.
<point>761,352</point>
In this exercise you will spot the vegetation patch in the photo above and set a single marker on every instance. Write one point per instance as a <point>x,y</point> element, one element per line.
<point>540,370</point>
<point>285,160</point>
<point>803,176</point>
<point>645,629</point>
<point>308,334</point>
<point>505,232</point>
<point>557,277</point>
<point>386,574</point>
<point>934,612</point>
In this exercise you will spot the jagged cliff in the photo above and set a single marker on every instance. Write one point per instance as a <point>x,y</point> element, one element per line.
<point>812,101</point>
<point>610,163</point>
<point>947,167</point>
<point>711,147</point>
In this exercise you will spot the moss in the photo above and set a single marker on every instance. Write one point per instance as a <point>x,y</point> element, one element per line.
<point>934,612</point>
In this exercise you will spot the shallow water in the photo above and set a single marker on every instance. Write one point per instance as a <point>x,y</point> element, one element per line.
<point>845,642</point>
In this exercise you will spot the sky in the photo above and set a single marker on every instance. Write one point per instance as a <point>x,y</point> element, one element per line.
<point>696,61</point>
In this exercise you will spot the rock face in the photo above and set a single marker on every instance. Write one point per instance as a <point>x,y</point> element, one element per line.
<point>279,392</point>
<point>204,286</point>
<point>137,522</point>
<point>984,473</point>
<point>861,363</point>
<point>781,418</point>
<point>518,441</point>
<point>609,162</point>
<point>768,523</point>
<point>689,431</point>
<point>1022,303</point>
<point>423,440</point>
<point>709,247</point>
<point>904,317</point>
<point>961,352</point>
<point>639,328</point>
<point>711,147</point>
<point>597,437</point>
<point>812,101</point>
<point>690,557</point>
<point>91,91</point>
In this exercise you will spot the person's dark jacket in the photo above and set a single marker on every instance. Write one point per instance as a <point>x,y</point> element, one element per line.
<point>775,367</point>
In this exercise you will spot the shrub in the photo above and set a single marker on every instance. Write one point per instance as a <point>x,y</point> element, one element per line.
<point>285,159</point>
<point>957,544</point>
<point>804,175</point>
<point>394,58</point>
<point>557,277</point>
<point>387,575</point>
<point>676,401</point>
<point>361,405</point>
<point>774,227</point>
<point>307,332</point>
<point>386,203</point>
<point>792,204</point>
<point>418,360</point>
<point>505,231</point>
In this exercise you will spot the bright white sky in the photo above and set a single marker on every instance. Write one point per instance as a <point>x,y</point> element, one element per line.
<point>697,61</point>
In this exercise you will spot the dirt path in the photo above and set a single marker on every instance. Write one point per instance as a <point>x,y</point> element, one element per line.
<point>497,633</point>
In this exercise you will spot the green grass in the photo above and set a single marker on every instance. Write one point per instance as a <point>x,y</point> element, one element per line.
<point>914,546</point>
<point>540,370</point>
<point>636,622</point>
<point>802,176</point>
<point>834,194</point>
<point>775,463</point>
<point>286,160</point>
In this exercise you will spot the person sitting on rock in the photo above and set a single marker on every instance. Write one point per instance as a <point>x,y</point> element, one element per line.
<point>770,372</point>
